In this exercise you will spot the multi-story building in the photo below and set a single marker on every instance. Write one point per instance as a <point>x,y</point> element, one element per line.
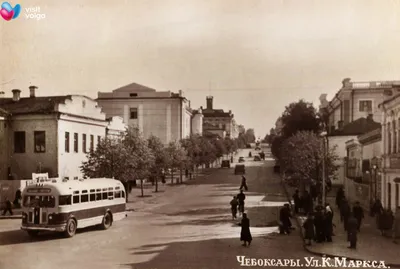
<point>391,152</point>
<point>166,115</point>
<point>217,120</point>
<point>197,122</point>
<point>49,134</point>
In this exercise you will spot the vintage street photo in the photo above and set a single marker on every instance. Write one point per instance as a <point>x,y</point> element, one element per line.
<point>196,134</point>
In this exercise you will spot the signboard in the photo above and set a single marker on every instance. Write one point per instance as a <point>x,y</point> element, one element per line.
<point>40,177</point>
<point>394,162</point>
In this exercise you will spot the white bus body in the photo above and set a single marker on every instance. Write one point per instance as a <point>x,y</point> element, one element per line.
<point>66,205</point>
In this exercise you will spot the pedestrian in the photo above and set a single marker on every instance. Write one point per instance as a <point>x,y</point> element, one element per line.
<point>345,213</point>
<point>8,207</point>
<point>245,234</point>
<point>352,230</point>
<point>296,201</point>
<point>319,225</point>
<point>243,185</point>
<point>307,203</point>
<point>234,205</point>
<point>241,197</point>
<point>308,226</point>
<point>358,212</point>
<point>339,197</point>
<point>284,218</point>
<point>328,223</point>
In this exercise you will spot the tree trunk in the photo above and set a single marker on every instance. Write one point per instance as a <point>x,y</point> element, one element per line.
<point>156,179</point>
<point>172,177</point>
<point>180,177</point>
<point>141,187</point>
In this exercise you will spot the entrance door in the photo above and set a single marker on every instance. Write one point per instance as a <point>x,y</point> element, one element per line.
<point>36,215</point>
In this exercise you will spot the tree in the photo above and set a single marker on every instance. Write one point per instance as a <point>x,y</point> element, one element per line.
<point>300,116</point>
<point>161,161</point>
<point>250,136</point>
<point>192,148</point>
<point>302,156</point>
<point>276,144</point>
<point>177,158</point>
<point>220,147</point>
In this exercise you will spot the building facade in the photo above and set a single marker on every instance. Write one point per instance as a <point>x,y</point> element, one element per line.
<point>51,134</point>
<point>166,115</point>
<point>197,122</point>
<point>356,100</point>
<point>391,152</point>
<point>217,120</point>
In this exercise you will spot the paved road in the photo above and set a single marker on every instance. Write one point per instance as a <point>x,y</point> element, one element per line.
<point>188,226</point>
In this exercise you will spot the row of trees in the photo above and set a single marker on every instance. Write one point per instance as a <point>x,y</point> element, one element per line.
<point>131,157</point>
<point>298,146</point>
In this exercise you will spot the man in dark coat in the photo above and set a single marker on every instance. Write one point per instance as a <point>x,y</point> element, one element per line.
<point>358,213</point>
<point>244,183</point>
<point>339,197</point>
<point>352,225</point>
<point>8,207</point>
<point>297,201</point>
<point>245,234</point>
<point>328,223</point>
<point>284,217</point>
<point>234,205</point>
<point>345,212</point>
<point>319,225</point>
<point>308,226</point>
<point>241,197</point>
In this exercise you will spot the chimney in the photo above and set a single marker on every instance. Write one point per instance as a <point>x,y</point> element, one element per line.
<point>2,94</point>
<point>180,93</point>
<point>209,102</point>
<point>16,95</point>
<point>32,90</point>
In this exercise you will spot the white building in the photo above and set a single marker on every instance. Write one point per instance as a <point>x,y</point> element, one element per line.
<point>50,134</point>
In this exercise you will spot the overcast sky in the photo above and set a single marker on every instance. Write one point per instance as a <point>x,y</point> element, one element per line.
<point>253,56</point>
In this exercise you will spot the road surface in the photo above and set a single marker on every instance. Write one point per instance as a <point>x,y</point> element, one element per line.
<point>187,226</point>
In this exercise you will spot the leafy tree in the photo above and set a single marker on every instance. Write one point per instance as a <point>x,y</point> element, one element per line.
<point>242,140</point>
<point>250,136</point>
<point>276,144</point>
<point>300,116</point>
<point>177,158</point>
<point>302,156</point>
<point>192,148</point>
<point>220,147</point>
<point>161,161</point>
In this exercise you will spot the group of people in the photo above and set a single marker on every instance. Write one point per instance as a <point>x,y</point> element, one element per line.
<point>319,224</point>
<point>237,203</point>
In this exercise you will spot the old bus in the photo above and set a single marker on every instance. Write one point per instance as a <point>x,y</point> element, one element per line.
<point>66,205</point>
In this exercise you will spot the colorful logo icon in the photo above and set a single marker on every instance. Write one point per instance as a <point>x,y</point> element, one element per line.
<point>8,12</point>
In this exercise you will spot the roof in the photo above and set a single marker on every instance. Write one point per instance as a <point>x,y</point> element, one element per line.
<point>357,127</point>
<point>3,112</point>
<point>134,87</point>
<point>66,187</point>
<point>216,113</point>
<point>27,105</point>
<point>389,99</point>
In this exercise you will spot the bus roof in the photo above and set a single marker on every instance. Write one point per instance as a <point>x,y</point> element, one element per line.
<point>68,186</point>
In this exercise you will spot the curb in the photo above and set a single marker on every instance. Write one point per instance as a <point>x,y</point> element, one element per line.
<point>319,253</point>
<point>11,217</point>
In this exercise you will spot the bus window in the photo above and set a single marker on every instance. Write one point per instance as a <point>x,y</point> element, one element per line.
<point>98,190</point>
<point>105,189</point>
<point>123,194</point>
<point>98,196</point>
<point>117,194</point>
<point>92,190</point>
<point>92,197</point>
<point>110,189</point>
<point>110,193</point>
<point>84,191</point>
<point>76,199</point>
<point>48,202</point>
<point>84,198</point>
<point>76,192</point>
<point>105,196</point>
<point>64,200</point>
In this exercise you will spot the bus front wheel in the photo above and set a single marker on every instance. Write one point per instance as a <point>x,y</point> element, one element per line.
<point>107,221</point>
<point>70,228</point>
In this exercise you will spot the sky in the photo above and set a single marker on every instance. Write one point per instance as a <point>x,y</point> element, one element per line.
<point>255,57</point>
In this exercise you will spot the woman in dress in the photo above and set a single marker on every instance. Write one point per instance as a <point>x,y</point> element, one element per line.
<point>245,234</point>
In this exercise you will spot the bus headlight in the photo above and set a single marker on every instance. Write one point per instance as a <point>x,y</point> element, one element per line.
<point>50,217</point>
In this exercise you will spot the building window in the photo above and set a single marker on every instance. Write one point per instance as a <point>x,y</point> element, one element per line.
<point>39,141</point>
<point>19,142</point>
<point>365,106</point>
<point>134,113</point>
<point>98,140</point>
<point>84,143</point>
<point>66,141</point>
<point>91,142</point>
<point>133,95</point>
<point>75,142</point>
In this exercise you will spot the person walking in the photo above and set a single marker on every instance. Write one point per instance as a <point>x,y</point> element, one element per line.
<point>245,234</point>
<point>284,218</point>
<point>243,185</point>
<point>308,225</point>
<point>339,197</point>
<point>358,212</point>
<point>352,229</point>
<point>241,197</point>
<point>8,207</point>
<point>234,205</point>
<point>328,224</point>
<point>296,201</point>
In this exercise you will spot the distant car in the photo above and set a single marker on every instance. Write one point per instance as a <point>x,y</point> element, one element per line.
<point>257,158</point>
<point>226,164</point>
<point>241,159</point>
<point>240,169</point>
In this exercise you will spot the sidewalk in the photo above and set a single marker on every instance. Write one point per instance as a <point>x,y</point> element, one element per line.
<point>371,245</point>
<point>17,214</point>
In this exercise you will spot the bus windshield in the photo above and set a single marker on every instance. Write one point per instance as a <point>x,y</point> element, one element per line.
<point>39,201</point>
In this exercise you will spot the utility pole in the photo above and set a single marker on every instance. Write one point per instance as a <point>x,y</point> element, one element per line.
<point>323,171</point>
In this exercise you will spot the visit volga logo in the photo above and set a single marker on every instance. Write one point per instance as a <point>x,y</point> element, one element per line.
<point>34,13</point>
<point>8,12</point>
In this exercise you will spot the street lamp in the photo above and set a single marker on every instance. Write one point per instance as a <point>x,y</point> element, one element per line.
<point>324,150</point>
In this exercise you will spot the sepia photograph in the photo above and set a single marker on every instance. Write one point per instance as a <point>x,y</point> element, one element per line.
<point>198,134</point>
